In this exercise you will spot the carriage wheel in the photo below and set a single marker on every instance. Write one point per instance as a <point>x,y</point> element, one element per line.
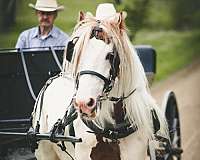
<point>172,116</point>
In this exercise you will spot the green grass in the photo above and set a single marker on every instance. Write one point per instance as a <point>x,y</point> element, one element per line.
<point>174,49</point>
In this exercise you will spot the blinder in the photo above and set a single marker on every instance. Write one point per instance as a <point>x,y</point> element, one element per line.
<point>70,48</point>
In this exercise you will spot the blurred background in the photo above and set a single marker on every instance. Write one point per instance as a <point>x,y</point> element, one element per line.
<point>170,26</point>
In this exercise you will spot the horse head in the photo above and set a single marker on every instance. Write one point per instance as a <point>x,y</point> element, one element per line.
<point>96,62</point>
<point>109,77</point>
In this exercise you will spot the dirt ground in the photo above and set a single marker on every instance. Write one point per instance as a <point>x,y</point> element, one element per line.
<point>186,85</point>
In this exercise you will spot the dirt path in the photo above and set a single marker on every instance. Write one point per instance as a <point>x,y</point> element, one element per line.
<point>186,85</point>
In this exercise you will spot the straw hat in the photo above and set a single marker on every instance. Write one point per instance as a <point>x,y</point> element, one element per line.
<point>105,10</point>
<point>46,5</point>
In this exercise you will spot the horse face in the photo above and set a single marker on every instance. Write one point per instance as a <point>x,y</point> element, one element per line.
<point>94,74</point>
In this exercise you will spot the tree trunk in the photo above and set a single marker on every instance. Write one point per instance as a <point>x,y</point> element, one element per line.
<point>7,14</point>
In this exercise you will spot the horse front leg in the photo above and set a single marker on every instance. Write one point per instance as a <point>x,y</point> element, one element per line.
<point>83,149</point>
<point>45,151</point>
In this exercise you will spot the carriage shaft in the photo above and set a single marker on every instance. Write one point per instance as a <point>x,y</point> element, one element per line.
<point>44,136</point>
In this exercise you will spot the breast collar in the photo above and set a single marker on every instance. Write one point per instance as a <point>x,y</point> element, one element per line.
<point>120,131</point>
<point>122,128</point>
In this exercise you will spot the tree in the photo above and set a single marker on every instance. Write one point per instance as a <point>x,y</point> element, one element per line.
<point>186,14</point>
<point>7,14</point>
<point>136,14</point>
<point>118,1</point>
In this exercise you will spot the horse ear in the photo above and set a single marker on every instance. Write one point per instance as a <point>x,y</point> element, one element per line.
<point>121,20</point>
<point>81,16</point>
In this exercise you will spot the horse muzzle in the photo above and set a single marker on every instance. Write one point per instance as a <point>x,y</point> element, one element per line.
<point>87,108</point>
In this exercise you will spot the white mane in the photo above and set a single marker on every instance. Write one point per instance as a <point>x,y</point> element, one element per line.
<point>131,76</point>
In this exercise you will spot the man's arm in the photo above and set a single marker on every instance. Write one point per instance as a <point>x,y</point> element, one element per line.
<point>21,41</point>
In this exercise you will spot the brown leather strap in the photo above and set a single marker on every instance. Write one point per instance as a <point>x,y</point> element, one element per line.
<point>105,150</point>
<point>119,113</point>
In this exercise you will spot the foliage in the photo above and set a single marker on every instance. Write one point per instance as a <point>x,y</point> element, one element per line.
<point>159,15</point>
<point>136,14</point>
<point>185,13</point>
<point>174,49</point>
<point>7,14</point>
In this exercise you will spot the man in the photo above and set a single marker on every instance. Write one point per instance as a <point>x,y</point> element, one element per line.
<point>46,34</point>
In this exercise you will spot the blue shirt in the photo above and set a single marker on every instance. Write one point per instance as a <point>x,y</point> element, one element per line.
<point>31,38</point>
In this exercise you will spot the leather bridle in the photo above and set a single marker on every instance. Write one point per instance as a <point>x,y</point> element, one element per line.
<point>114,61</point>
<point>108,83</point>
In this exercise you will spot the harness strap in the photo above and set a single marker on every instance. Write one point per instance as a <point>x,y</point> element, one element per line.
<point>26,74</point>
<point>156,122</point>
<point>116,99</point>
<point>108,83</point>
<point>122,131</point>
<point>119,112</point>
<point>41,95</point>
<point>64,149</point>
<point>106,80</point>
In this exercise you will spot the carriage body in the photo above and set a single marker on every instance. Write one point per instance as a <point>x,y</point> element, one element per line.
<point>17,101</point>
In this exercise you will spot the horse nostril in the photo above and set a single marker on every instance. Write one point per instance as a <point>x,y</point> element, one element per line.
<point>91,102</point>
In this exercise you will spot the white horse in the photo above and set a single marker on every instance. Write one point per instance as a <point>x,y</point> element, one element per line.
<point>111,95</point>
<point>107,67</point>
